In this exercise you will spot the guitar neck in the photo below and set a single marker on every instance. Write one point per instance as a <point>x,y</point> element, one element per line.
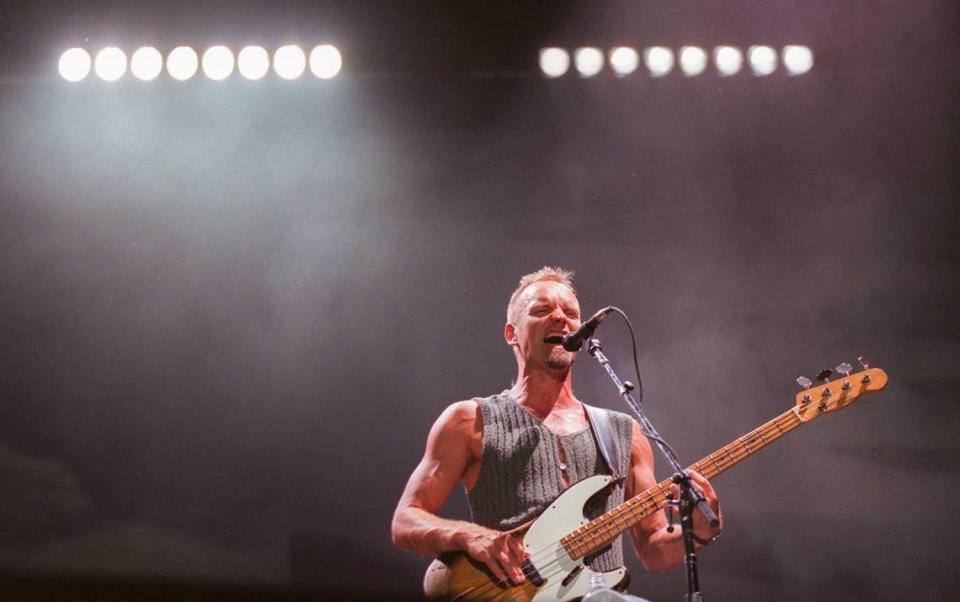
<point>602,530</point>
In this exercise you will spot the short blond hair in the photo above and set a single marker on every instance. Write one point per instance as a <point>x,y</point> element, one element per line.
<point>546,273</point>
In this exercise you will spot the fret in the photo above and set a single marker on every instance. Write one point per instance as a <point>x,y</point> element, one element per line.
<point>715,464</point>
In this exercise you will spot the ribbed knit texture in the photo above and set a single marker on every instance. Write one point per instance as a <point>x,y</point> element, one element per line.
<point>520,474</point>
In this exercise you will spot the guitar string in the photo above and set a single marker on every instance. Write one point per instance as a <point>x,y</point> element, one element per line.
<point>772,430</point>
<point>589,535</point>
<point>528,572</point>
<point>547,571</point>
<point>741,450</point>
<point>731,454</point>
<point>736,451</point>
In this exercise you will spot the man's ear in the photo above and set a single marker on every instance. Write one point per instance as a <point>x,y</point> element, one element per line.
<point>510,334</point>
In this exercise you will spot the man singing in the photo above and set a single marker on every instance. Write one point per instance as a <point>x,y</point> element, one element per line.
<point>516,451</point>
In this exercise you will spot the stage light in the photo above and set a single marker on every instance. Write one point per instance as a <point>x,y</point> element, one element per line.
<point>217,62</point>
<point>253,62</point>
<point>624,60</point>
<point>797,59</point>
<point>325,61</point>
<point>659,60</point>
<point>693,60</point>
<point>289,62</point>
<point>728,59</point>
<point>110,64</point>
<point>74,64</point>
<point>182,63</point>
<point>763,60</point>
<point>146,63</point>
<point>554,62</point>
<point>589,61</point>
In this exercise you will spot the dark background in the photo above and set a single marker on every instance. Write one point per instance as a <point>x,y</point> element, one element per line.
<point>230,311</point>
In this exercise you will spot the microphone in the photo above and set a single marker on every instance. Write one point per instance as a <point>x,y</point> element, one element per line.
<point>573,341</point>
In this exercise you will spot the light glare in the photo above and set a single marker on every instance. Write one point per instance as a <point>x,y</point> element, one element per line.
<point>146,63</point>
<point>110,64</point>
<point>589,61</point>
<point>693,60</point>
<point>763,60</point>
<point>624,60</point>
<point>797,59</point>
<point>182,63</point>
<point>659,60</point>
<point>325,61</point>
<point>728,59</point>
<point>289,62</point>
<point>253,62</point>
<point>217,62</point>
<point>74,64</point>
<point>554,62</point>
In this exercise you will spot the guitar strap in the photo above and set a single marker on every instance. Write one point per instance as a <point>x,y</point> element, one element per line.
<point>602,429</point>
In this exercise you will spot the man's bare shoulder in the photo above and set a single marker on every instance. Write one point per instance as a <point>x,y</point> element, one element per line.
<point>640,450</point>
<point>460,416</point>
<point>464,408</point>
<point>459,427</point>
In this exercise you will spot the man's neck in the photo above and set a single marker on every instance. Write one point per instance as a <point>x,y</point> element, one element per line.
<point>542,392</point>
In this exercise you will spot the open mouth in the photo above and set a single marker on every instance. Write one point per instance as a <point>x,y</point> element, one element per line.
<point>555,338</point>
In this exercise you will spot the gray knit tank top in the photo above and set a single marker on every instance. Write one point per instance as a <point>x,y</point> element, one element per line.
<point>520,472</point>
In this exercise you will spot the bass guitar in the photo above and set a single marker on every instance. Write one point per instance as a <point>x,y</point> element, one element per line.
<point>558,540</point>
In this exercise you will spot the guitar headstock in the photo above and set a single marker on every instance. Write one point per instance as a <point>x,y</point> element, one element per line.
<point>837,394</point>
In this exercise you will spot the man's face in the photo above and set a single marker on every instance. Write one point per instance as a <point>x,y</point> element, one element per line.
<point>547,309</point>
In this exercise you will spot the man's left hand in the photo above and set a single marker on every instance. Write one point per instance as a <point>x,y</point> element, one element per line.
<point>701,528</point>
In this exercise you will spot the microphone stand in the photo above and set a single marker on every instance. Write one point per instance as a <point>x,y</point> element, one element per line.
<point>690,495</point>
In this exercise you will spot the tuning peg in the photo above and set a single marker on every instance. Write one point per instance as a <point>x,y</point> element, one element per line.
<point>844,369</point>
<point>804,382</point>
<point>824,375</point>
<point>866,377</point>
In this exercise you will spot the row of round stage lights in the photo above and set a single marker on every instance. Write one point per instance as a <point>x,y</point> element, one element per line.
<point>660,60</point>
<point>217,63</point>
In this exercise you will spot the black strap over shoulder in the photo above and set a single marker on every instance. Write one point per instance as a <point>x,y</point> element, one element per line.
<point>602,428</point>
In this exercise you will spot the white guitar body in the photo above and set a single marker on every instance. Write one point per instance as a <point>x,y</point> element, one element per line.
<point>542,542</point>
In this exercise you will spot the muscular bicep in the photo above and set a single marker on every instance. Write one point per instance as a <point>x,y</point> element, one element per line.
<point>446,458</point>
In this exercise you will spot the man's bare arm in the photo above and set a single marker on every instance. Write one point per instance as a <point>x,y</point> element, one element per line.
<point>446,459</point>
<point>415,523</point>
<point>657,548</point>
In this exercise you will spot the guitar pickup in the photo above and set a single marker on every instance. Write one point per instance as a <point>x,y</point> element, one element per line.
<point>532,574</point>
<point>571,575</point>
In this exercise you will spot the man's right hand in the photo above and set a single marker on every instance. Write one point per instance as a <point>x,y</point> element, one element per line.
<point>500,551</point>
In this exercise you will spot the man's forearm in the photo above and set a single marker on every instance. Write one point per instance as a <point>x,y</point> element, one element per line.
<point>425,533</point>
<point>664,550</point>
<point>429,535</point>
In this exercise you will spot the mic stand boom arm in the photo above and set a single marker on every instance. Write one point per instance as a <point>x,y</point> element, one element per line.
<point>690,495</point>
